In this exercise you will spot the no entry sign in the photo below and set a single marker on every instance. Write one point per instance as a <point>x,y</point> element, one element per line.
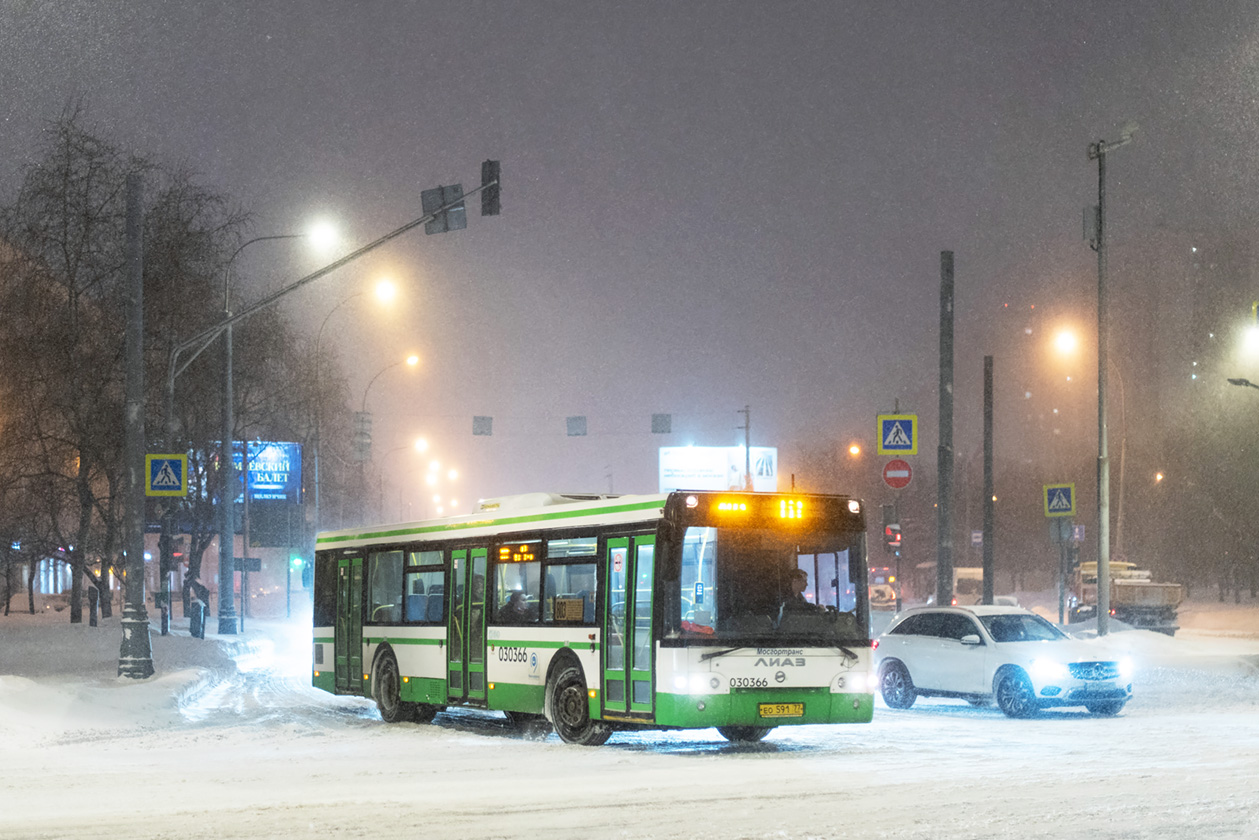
<point>897,474</point>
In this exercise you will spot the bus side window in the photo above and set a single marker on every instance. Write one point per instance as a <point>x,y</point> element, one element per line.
<point>384,586</point>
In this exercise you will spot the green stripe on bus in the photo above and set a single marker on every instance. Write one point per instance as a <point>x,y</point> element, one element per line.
<point>394,640</point>
<point>486,523</point>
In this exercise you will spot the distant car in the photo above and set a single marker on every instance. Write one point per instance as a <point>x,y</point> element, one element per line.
<point>1002,653</point>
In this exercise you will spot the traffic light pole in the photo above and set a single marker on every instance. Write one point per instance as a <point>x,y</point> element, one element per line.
<point>199,342</point>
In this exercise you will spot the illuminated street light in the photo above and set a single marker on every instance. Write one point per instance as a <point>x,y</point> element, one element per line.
<point>227,529</point>
<point>323,235</point>
<point>409,361</point>
<point>1065,342</point>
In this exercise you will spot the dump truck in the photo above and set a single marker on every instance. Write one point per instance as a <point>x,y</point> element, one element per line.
<point>1135,598</point>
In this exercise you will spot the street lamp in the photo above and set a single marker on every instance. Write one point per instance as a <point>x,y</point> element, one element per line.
<point>227,567</point>
<point>410,361</point>
<point>363,423</point>
<point>227,530</point>
<point>1098,151</point>
<point>385,291</point>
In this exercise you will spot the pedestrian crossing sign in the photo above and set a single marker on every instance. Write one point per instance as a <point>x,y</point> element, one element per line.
<point>167,475</point>
<point>1059,500</point>
<point>898,434</point>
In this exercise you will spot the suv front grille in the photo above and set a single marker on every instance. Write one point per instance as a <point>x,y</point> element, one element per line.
<point>1095,670</point>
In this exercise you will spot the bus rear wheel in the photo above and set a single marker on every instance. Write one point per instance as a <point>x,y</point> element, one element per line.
<point>744,734</point>
<point>568,708</point>
<point>386,690</point>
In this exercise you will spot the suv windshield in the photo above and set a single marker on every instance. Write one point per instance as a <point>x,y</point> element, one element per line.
<point>1020,627</point>
<point>750,584</point>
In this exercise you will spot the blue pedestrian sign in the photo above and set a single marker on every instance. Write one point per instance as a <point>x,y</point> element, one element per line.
<point>898,434</point>
<point>166,475</point>
<point>1059,500</point>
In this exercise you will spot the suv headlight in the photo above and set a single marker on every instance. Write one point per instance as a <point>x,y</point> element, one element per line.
<point>1049,669</point>
<point>1126,668</point>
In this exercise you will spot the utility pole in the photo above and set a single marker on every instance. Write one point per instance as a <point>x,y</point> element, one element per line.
<point>1098,151</point>
<point>135,656</point>
<point>989,505</point>
<point>944,486</point>
<point>747,446</point>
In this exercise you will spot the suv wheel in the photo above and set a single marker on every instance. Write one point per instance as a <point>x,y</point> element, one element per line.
<point>1015,695</point>
<point>896,686</point>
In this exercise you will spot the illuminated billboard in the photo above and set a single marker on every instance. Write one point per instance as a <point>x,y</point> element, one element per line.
<point>275,471</point>
<point>717,468</point>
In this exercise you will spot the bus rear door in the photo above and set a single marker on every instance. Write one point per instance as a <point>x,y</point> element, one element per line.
<point>465,667</point>
<point>349,629</point>
<point>629,650</point>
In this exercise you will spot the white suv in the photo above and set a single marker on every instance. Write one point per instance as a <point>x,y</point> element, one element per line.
<point>981,653</point>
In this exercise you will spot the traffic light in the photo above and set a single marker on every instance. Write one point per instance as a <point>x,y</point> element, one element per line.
<point>891,530</point>
<point>489,183</point>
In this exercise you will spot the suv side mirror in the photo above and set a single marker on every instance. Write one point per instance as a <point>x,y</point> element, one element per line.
<point>971,639</point>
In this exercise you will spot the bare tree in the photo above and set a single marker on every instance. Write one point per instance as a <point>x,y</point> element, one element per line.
<point>61,270</point>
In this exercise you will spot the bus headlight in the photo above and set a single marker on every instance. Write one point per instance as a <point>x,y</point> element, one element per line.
<point>852,682</point>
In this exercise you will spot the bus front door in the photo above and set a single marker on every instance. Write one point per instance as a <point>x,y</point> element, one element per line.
<point>349,629</point>
<point>629,651</point>
<point>465,661</point>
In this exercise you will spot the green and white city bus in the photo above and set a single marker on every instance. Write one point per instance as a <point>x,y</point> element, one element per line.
<point>596,614</point>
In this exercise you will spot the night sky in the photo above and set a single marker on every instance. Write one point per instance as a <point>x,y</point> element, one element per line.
<point>705,205</point>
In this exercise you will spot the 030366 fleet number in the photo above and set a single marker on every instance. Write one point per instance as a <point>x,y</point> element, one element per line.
<point>512,654</point>
<point>749,682</point>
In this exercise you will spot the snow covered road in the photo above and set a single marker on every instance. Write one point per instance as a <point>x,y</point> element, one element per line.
<point>254,752</point>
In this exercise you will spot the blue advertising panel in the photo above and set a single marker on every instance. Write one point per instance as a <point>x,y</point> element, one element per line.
<point>275,471</point>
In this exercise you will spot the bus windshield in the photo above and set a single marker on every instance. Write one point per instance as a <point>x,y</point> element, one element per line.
<point>762,585</point>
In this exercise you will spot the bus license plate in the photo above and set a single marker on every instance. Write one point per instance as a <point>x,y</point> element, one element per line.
<point>780,710</point>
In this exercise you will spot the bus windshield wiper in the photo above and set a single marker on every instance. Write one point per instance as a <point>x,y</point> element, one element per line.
<point>716,653</point>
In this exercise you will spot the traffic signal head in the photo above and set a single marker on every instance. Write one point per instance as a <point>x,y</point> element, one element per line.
<point>891,530</point>
<point>490,192</point>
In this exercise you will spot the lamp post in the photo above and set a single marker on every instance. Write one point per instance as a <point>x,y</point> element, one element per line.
<point>365,453</point>
<point>1098,151</point>
<point>420,446</point>
<point>410,361</point>
<point>385,291</point>
<point>227,530</point>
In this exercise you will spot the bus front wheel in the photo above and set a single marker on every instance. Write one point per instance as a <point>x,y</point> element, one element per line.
<point>568,708</point>
<point>744,734</point>
<point>386,686</point>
